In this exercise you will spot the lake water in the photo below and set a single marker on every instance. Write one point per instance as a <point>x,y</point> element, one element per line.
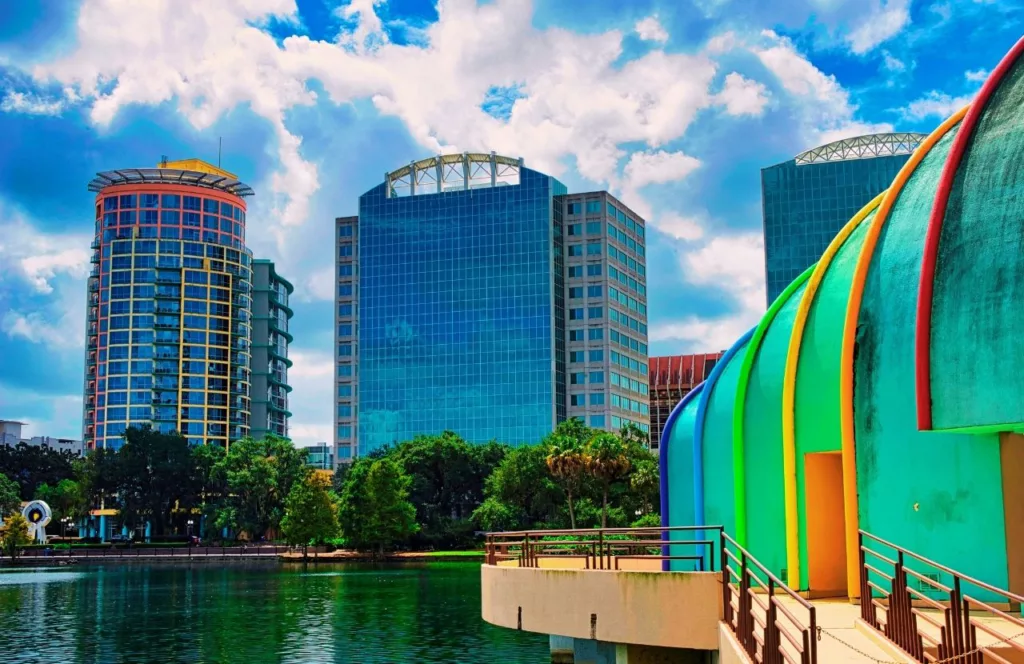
<point>356,613</point>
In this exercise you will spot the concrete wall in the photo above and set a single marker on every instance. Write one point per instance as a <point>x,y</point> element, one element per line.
<point>681,610</point>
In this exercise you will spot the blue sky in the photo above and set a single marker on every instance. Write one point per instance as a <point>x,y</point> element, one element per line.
<point>673,105</point>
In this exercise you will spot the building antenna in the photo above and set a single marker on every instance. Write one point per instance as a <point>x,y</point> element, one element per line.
<point>220,145</point>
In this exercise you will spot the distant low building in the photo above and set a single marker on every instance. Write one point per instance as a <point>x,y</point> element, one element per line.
<point>320,456</point>
<point>10,434</point>
<point>671,378</point>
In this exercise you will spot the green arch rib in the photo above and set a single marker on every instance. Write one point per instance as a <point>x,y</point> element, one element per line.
<point>739,483</point>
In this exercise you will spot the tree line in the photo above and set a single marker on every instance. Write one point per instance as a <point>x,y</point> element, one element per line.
<point>432,492</point>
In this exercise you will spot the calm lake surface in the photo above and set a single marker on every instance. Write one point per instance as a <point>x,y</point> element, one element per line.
<point>326,613</point>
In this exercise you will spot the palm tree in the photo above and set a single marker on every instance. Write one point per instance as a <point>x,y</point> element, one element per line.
<point>567,462</point>
<point>606,462</point>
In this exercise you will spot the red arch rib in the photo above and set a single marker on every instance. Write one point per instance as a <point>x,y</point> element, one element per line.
<point>931,243</point>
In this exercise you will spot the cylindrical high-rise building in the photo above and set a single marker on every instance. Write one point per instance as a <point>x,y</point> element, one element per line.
<point>168,325</point>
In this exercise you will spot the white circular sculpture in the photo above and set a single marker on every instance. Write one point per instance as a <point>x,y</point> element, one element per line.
<point>38,514</point>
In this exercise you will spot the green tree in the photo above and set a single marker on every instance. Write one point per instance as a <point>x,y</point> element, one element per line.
<point>644,483</point>
<point>10,502</point>
<point>153,475</point>
<point>258,475</point>
<point>447,483</point>
<point>98,476</point>
<point>567,459</point>
<point>632,435</point>
<point>375,511</point>
<point>65,500</point>
<point>607,462</point>
<point>31,465</point>
<point>521,493</point>
<point>310,512</point>
<point>14,534</point>
<point>210,481</point>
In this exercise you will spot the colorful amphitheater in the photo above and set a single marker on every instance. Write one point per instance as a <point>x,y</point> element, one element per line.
<point>883,391</point>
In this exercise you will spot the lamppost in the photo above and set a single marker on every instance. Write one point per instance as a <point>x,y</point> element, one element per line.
<point>65,523</point>
<point>190,523</point>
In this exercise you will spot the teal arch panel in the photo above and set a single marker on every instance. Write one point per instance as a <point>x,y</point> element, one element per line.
<point>977,353</point>
<point>937,494</point>
<point>719,399</point>
<point>679,473</point>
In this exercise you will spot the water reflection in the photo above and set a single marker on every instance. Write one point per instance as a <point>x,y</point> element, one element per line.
<point>426,613</point>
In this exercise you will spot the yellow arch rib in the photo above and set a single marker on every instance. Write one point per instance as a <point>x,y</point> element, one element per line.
<point>789,390</point>
<point>850,336</point>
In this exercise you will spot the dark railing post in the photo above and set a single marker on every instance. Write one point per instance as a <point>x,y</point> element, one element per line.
<point>867,606</point>
<point>726,585</point>
<point>743,606</point>
<point>600,545</point>
<point>771,654</point>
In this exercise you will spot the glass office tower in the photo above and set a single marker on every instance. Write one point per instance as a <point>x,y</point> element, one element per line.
<point>455,308</point>
<point>169,311</point>
<point>477,295</point>
<point>807,200</point>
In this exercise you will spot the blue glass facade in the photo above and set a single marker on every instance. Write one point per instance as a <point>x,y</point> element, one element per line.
<point>806,205</point>
<point>458,323</point>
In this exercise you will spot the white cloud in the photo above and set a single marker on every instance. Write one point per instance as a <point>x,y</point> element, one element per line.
<point>976,76</point>
<point>35,327</point>
<point>650,29</point>
<point>678,226</point>
<point>30,104</point>
<point>937,104</point>
<point>369,31</point>
<point>209,57</point>
<point>644,168</point>
<point>722,43</point>
<point>37,257</point>
<point>733,264</point>
<point>742,96</point>
<point>886,19</point>
<point>892,63</point>
<point>824,107</point>
<point>320,285</point>
<point>312,398</point>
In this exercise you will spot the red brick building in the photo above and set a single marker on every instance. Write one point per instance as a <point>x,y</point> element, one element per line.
<point>671,377</point>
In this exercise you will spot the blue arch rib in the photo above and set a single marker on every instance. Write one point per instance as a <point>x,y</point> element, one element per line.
<point>666,435</point>
<point>698,429</point>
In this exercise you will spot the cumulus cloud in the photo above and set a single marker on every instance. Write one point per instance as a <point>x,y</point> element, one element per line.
<point>976,76</point>
<point>644,168</point>
<point>886,19</point>
<point>35,327</point>
<point>209,57</point>
<point>742,96</point>
<point>935,104</point>
<point>825,107</point>
<point>678,226</point>
<point>735,265</point>
<point>37,257</point>
<point>650,29</point>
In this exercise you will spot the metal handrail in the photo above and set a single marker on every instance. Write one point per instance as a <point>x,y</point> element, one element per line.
<point>955,636</point>
<point>767,630</point>
<point>600,547</point>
